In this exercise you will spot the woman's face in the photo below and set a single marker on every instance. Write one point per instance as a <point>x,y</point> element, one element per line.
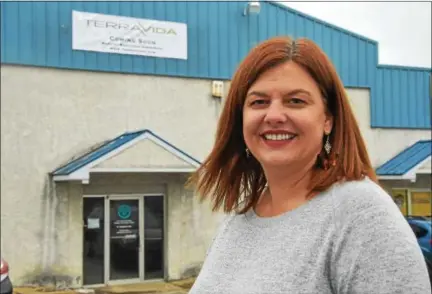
<point>284,117</point>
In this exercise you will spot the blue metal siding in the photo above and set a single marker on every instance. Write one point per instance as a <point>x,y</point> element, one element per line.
<point>40,33</point>
<point>401,98</point>
<point>352,55</point>
<point>406,160</point>
<point>2,34</point>
<point>219,37</point>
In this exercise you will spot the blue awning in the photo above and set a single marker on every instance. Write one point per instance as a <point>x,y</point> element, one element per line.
<point>404,164</point>
<point>78,169</point>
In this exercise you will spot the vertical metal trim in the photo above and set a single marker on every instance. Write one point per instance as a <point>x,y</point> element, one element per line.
<point>107,240</point>
<point>141,226</point>
<point>165,262</point>
<point>409,201</point>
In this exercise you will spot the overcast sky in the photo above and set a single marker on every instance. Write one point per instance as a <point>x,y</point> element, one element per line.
<point>403,29</point>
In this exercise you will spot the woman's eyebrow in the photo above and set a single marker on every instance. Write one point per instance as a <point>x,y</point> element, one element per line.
<point>290,93</point>
<point>258,93</point>
<point>298,91</point>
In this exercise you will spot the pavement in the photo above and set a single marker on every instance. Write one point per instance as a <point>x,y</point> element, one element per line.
<point>175,287</point>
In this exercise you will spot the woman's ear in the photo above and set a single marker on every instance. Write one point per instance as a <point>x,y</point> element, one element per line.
<point>328,124</point>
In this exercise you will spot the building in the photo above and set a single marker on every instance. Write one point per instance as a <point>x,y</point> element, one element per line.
<point>108,106</point>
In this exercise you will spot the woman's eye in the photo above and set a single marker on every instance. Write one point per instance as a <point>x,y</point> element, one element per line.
<point>296,101</point>
<point>258,102</point>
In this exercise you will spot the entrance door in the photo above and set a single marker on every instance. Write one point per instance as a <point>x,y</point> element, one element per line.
<point>153,237</point>
<point>124,246</point>
<point>123,239</point>
<point>94,240</point>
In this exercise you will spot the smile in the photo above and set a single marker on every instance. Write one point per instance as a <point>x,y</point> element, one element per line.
<point>278,137</point>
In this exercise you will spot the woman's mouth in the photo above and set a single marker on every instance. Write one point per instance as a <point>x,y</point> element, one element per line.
<point>278,137</point>
<point>278,140</point>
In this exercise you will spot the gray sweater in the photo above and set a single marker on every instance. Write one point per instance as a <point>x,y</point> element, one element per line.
<point>349,239</point>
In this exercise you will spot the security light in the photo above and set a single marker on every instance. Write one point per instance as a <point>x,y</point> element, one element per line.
<point>252,7</point>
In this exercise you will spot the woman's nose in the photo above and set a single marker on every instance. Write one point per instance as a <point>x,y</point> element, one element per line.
<point>276,113</point>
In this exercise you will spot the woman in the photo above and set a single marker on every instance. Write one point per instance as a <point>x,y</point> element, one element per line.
<point>290,163</point>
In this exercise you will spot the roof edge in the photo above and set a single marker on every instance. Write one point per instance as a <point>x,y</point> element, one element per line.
<point>82,170</point>
<point>100,145</point>
<point>409,147</point>
<point>346,31</point>
<point>414,167</point>
<point>316,19</point>
<point>403,67</point>
<point>172,146</point>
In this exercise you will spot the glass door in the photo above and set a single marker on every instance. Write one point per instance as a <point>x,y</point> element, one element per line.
<point>94,240</point>
<point>124,238</point>
<point>153,237</point>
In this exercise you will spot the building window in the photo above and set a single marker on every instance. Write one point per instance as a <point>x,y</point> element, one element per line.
<point>413,202</point>
<point>421,203</point>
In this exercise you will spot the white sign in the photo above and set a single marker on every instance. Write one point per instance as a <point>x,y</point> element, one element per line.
<point>127,35</point>
<point>93,223</point>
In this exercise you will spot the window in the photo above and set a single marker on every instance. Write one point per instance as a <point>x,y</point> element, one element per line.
<point>421,203</point>
<point>400,197</point>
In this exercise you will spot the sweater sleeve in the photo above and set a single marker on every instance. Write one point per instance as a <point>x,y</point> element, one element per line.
<point>375,251</point>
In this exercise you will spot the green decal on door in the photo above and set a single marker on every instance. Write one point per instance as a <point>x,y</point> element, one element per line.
<point>124,211</point>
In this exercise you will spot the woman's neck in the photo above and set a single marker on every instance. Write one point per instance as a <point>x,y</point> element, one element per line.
<point>287,189</point>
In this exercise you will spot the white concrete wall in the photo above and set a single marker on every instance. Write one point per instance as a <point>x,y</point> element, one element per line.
<point>382,144</point>
<point>423,182</point>
<point>145,154</point>
<point>191,227</point>
<point>64,241</point>
<point>49,116</point>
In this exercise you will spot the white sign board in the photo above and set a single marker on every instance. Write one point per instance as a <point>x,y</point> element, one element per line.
<point>127,35</point>
<point>93,223</point>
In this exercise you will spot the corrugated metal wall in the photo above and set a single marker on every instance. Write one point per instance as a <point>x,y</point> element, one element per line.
<point>219,36</point>
<point>401,98</point>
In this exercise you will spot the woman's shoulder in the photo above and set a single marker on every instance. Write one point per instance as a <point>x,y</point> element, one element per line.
<point>352,198</point>
<point>369,230</point>
<point>364,209</point>
<point>224,222</point>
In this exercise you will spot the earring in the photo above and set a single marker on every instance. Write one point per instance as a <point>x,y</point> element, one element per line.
<point>327,145</point>
<point>247,153</point>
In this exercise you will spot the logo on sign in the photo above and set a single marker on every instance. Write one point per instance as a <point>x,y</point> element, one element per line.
<point>124,211</point>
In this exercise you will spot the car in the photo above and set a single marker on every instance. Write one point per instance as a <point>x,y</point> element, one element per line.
<point>422,228</point>
<point>5,282</point>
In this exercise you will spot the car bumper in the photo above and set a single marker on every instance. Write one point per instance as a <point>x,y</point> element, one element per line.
<point>6,286</point>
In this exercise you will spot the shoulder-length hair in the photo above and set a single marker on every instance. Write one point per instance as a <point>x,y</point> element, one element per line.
<point>234,180</point>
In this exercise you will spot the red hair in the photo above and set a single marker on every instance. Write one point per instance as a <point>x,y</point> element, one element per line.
<point>231,179</point>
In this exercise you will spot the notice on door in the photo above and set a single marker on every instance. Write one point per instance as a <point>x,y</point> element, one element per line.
<point>124,222</point>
